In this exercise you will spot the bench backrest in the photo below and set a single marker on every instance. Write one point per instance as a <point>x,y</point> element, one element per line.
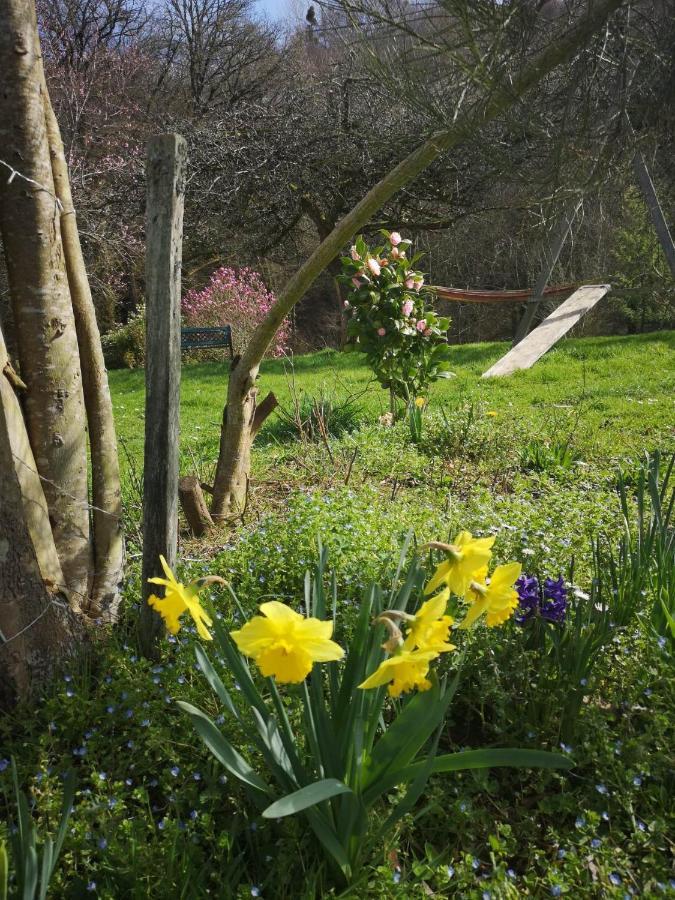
<point>205,338</point>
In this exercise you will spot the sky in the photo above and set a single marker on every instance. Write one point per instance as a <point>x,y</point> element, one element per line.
<point>277,10</point>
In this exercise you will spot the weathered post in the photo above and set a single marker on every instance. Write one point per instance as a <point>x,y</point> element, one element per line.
<point>166,164</point>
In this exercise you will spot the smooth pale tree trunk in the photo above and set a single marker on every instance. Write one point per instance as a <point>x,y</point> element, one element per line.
<point>35,617</point>
<point>106,488</point>
<point>56,574</point>
<point>17,448</point>
<point>233,469</point>
<point>234,462</point>
<point>40,296</point>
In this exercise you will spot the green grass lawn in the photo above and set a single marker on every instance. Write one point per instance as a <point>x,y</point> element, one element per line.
<point>534,460</point>
<point>608,398</point>
<point>617,392</point>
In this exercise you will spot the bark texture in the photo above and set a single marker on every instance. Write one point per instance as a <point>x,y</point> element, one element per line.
<point>19,454</point>
<point>52,581</point>
<point>106,489</point>
<point>230,484</point>
<point>39,629</point>
<point>165,174</point>
<point>46,337</point>
<point>194,506</point>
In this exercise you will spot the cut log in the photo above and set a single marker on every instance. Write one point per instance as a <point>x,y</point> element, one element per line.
<point>531,348</point>
<point>194,506</point>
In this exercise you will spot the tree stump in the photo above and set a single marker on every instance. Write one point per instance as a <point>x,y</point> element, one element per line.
<point>194,506</point>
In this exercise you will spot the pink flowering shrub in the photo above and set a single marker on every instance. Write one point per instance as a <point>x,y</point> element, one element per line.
<point>390,319</point>
<point>236,297</point>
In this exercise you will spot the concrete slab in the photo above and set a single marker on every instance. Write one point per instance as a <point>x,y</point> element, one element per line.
<point>531,348</point>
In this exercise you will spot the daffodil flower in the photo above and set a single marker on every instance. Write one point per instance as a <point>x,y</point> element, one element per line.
<point>406,671</point>
<point>430,628</point>
<point>497,600</point>
<point>178,599</point>
<point>465,556</point>
<point>284,644</point>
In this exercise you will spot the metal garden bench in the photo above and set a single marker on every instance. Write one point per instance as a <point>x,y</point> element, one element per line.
<point>207,338</point>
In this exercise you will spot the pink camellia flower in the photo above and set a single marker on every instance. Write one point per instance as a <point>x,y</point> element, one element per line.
<point>418,283</point>
<point>427,332</point>
<point>354,253</point>
<point>394,253</point>
<point>395,239</point>
<point>407,307</point>
<point>374,266</point>
<point>421,325</point>
<point>381,332</point>
<point>409,284</point>
<point>356,282</point>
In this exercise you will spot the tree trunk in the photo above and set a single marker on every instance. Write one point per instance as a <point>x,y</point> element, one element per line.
<point>52,577</point>
<point>38,628</point>
<point>43,315</point>
<point>106,488</point>
<point>19,455</point>
<point>235,443</point>
<point>230,484</point>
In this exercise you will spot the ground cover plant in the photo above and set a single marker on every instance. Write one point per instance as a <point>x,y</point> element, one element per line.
<point>155,815</point>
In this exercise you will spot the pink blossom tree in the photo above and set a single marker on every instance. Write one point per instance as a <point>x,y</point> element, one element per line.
<point>236,297</point>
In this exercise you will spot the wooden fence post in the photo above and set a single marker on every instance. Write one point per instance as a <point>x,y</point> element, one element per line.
<point>166,165</point>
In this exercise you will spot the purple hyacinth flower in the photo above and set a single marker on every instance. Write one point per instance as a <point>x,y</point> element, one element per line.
<point>554,600</point>
<point>548,600</point>
<point>528,598</point>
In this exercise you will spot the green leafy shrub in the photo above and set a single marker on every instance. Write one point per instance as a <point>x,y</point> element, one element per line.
<point>124,347</point>
<point>389,319</point>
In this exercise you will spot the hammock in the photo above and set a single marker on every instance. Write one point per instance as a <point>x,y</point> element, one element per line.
<point>459,296</point>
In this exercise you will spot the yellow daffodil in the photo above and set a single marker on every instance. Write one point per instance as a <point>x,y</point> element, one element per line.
<point>491,413</point>
<point>179,598</point>
<point>497,600</point>
<point>420,402</point>
<point>465,556</point>
<point>406,671</point>
<point>284,644</point>
<point>430,628</point>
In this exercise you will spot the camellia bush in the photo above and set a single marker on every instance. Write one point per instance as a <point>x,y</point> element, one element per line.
<point>343,720</point>
<point>389,319</point>
<point>236,297</point>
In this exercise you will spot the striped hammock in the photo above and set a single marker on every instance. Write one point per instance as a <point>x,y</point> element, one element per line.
<point>460,296</point>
